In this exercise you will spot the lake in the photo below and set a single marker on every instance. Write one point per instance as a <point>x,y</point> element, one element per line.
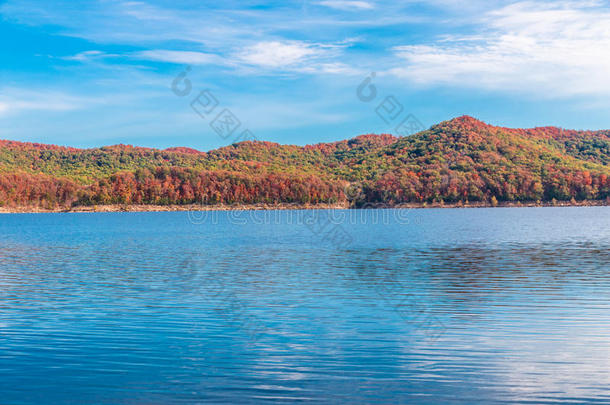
<point>504,305</point>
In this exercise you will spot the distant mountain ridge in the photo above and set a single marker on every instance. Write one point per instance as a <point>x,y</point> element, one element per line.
<point>460,160</point>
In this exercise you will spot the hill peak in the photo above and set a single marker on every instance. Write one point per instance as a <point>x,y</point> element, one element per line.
<point>184,149</point>
<point>467,121</point>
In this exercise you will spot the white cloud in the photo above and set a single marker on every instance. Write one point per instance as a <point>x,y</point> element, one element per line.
<point>156,55</point>
<point>180,57</point>
<point>286,56</point>
<point>295,57</point>
<point>340,68</point>
<point>276,54</point>
<point>347,5</point>
<point>87,56</point>
<point>556,48</point>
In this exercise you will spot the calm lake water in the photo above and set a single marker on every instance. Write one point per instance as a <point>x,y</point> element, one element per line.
<point>423,306</point>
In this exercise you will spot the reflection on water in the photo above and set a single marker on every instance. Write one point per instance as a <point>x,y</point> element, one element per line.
<point>457,306</point>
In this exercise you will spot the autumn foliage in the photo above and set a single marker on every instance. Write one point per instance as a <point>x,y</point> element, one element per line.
<point>188,186</point>
<point>455,161</point>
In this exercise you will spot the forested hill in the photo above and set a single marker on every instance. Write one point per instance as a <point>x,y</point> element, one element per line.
<point>458,160</point>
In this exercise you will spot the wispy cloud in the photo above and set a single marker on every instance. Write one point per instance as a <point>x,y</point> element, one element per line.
<point>180,57</point>
<point>293,38</point>
<point>110,62</point>
<point>347,5</point>
<point>295,56</point>
<point>276,54</point>
<point>555,49</point>
<point>86,56</point>
<point>260,57</point>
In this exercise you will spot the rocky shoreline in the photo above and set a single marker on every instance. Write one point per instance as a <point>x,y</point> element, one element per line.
<point>259,207</point>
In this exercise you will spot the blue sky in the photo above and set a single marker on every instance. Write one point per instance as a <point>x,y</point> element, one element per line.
<point>93,73</point>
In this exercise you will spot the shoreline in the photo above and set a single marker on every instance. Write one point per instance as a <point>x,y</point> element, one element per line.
<point>271,207</point>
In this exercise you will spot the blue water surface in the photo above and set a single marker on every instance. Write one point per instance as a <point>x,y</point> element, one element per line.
<point>504,305</point>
